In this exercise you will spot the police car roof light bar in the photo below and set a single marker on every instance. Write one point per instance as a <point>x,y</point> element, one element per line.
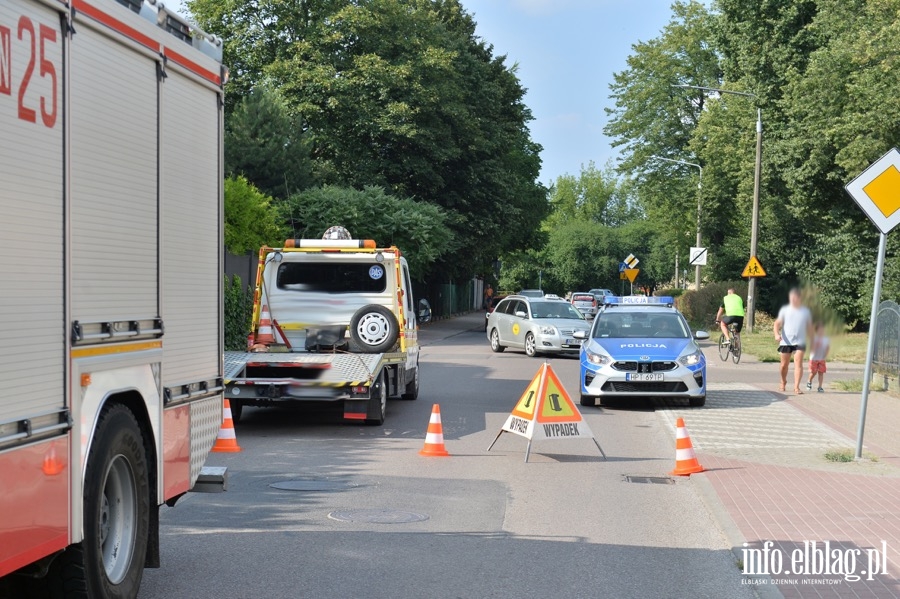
<point>665,300</point>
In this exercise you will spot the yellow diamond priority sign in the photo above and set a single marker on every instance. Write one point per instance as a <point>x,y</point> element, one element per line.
<point>877,191</point>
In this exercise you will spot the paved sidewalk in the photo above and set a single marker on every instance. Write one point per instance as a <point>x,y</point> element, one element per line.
<point>765,461</point>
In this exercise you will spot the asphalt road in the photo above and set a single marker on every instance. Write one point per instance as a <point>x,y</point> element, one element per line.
<point>567,524</point>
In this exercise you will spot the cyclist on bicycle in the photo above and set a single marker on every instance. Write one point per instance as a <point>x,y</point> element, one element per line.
<point>733,307</point>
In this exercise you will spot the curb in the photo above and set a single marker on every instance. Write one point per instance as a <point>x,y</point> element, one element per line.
<point>732,534</point>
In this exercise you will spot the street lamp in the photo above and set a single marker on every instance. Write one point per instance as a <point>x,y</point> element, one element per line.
<point>699,195</point>
<point>754,224</point>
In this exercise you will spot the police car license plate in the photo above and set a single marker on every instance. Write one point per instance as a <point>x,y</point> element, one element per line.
<point>643,376</point>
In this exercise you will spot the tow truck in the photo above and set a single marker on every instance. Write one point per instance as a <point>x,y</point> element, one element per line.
<point>333,321</point>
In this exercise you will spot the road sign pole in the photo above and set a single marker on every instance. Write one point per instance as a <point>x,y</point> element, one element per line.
<point>754,224</point>
<point>870,353</point>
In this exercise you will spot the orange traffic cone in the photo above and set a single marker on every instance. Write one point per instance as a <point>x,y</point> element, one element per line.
<point>685,461</point>
<point>434,438</point>
<point>226,441</point>
<point>265,335</point>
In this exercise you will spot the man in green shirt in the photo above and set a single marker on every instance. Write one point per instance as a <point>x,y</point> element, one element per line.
<point>733,307</point>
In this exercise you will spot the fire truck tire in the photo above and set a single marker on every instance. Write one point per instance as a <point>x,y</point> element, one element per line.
<point>412,386</point>
<point>374,329</point>
<point>378,402</point>
<point>109,562</point>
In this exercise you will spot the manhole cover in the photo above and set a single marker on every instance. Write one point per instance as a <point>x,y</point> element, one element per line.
<point>652,480</point>
<point>377,516</point>
<point>313,485</point>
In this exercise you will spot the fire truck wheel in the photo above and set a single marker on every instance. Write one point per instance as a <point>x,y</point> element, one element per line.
<point>378,402</point>
<point>109,562</point>
<point>374,329</point>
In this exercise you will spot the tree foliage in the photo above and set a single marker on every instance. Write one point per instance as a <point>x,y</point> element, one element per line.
<point>417,228</point>
<point>250,221</point>
<point>400,94</point>
<point>266,144</point>
<point>820,71</point>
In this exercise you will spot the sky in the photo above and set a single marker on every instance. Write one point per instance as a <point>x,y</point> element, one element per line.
<point>567,52</point>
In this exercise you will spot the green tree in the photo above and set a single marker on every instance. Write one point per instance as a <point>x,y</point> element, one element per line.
<point>404,95</point>
<point>596,195</point>
<point>250,220</point>
<point>417,228</point>
<point>267,145</point>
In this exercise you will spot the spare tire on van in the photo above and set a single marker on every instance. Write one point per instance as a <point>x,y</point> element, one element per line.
<point>374,329</point>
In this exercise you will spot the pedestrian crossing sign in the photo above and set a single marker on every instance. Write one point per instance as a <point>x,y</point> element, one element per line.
<point>753,268</point>
<point>545,411</point>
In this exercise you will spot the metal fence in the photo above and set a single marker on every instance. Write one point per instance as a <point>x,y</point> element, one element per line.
<point>887,340</point>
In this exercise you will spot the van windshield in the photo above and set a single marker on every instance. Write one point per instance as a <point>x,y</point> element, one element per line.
<point>332,277</point>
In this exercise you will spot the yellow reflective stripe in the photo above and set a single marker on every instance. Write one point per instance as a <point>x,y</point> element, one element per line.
<point>105,350</point>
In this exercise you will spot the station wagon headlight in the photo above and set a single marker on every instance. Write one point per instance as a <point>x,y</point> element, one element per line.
<point>691,359</point>
<point>548,330</point>
<point>598,359</point>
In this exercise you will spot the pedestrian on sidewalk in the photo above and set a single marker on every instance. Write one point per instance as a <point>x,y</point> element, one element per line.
<point>793,328</point>
<point>819,352</point>
<point>488,297</point>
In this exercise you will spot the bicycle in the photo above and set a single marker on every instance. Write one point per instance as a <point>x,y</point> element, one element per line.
<point>730,346</point>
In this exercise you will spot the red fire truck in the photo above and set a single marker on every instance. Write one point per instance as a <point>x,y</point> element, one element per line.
<point>110,293</point>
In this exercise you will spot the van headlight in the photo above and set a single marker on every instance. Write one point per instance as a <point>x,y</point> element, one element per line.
<point>548,330</point>
<point>691,359</point>
<point>598,359</point>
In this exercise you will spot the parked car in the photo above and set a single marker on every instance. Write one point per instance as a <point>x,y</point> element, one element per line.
<point>536,325</point>
<point>585,302</point>
<point>601,295</point>
<point>642,346</point>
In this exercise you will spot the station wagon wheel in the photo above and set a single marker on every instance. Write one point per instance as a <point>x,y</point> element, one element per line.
<point>495,342</point>
<point>374,329</point>
<point>530,347</point>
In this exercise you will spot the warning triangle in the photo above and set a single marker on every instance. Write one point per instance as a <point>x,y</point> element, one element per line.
<point>753,268</point>
<point>545,411</point>
<point>525,408</point>
<point>556,405</point>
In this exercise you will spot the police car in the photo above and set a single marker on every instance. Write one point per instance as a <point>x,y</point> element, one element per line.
<point>642,346</point>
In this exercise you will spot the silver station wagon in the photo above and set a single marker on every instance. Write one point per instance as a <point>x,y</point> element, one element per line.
<point>536,325</point>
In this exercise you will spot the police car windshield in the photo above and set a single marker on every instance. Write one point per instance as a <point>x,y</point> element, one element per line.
<point>556,309</point>
<point>635,324</point>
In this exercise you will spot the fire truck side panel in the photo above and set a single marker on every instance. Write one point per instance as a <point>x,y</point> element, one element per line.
<point>39,504</point>
<point>32,351</point>
<point>190,170</point>
<point>113,148</point>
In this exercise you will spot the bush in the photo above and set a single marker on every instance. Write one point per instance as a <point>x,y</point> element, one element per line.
<point>238,310</point>
<point>700,307</point>
<point>674,292</point>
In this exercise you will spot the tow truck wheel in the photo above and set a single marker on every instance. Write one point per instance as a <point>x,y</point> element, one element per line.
<point>378,402</point>
<point>237,408</point>
<point>412,387</point>
<point>109,562</point>
<point>374,329</point>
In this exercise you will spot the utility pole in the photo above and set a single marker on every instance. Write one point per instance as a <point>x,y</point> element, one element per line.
<point>754,225</point>
<point>676,269</point>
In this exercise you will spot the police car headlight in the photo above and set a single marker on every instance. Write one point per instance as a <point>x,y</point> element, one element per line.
<point>598,359</point>
<point>548,330</point>
<point>691,359</point>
